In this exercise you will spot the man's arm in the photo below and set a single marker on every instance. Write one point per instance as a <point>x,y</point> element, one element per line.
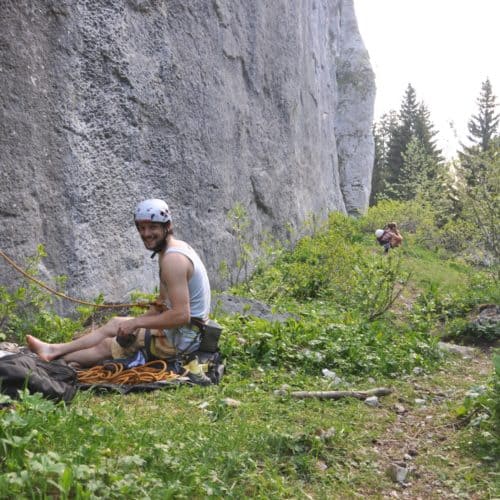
<point>174,277</point>
<point>396,239</point>
<point>160,304</point>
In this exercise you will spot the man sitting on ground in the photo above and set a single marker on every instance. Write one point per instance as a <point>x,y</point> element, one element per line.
<point>166,331</point>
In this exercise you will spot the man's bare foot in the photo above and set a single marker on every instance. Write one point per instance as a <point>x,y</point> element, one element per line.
<point>41,349</point>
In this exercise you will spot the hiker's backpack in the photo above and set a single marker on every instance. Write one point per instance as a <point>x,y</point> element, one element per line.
<point>54,380</point>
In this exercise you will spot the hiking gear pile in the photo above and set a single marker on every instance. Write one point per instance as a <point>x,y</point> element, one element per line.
<point>59,382</point>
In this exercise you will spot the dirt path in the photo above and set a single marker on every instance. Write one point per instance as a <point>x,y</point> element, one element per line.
<point>422,443</point>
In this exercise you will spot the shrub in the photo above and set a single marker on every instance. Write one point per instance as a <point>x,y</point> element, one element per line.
<point>456,236</point>
<point>29,309</point>
<point>350,345</point>
<point>472,332</point>
<point>414,217</point>
<point>480,411</point>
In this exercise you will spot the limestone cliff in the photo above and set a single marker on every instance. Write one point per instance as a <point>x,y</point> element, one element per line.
<point>204,103</point>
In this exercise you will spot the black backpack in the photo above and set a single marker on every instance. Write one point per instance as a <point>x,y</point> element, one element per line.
<point>54,380</point>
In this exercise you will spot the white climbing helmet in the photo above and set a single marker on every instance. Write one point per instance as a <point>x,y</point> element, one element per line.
<point>152,210</point>
<point>379,233</point>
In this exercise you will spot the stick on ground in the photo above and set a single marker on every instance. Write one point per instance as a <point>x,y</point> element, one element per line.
<point>380,391</point>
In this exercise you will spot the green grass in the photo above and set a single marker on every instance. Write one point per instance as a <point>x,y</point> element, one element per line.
<point>188,443</point>
<point>426,267</point>
<point>164,444</point>
<point>266,446</point>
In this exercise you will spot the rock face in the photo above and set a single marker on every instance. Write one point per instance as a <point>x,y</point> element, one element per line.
<point>204,103</point>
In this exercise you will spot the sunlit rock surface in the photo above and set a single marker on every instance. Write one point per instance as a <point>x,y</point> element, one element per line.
<point>204,103</point>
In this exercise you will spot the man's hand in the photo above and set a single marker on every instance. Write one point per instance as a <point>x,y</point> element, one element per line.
<point>126,327</point>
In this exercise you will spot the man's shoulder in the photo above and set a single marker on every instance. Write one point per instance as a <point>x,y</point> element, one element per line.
<point>175,254</point>
<point>178,255</point>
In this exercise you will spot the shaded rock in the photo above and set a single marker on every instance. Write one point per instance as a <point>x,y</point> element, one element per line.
<point>489,317</point>
<point>332,376</point>
<point>456,349</point>
<point>399,408</point>
<point>233,304</point>
<point>320,465</point>
<point>397,473</point>
<point>372,401</point>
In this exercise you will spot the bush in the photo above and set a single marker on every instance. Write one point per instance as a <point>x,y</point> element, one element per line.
<point>472,332</point>
<point>29,309</point>
<point>412,217</point>
<point>480,411</point>
<point>333,264</point>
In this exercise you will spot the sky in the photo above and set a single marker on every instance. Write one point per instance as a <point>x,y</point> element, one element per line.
<point>444,48</point>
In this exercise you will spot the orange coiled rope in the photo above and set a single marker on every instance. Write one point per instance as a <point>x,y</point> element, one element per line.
<point>114,373</point>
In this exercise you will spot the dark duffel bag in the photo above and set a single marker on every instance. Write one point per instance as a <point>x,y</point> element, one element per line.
<point>54,380</point>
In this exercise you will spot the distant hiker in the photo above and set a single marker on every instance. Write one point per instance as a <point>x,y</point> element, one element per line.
<point>389,237</point>
<point>167,330</point>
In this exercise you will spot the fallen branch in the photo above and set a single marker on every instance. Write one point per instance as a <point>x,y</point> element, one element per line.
<point>380,391</point>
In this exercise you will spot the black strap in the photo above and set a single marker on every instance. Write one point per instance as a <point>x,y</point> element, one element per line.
<point>199,324</point>
<point>147,344</point>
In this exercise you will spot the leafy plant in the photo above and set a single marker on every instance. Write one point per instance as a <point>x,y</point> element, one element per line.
<point>29,309</point>
<point>239,223</point>
<point>351,345</point>
<point>480,411</point>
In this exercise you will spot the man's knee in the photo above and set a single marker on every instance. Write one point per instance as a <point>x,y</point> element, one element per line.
<point>110,329</point>
<point>103,349</point>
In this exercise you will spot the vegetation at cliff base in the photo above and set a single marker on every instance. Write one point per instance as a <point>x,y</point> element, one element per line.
<point>357,319</point>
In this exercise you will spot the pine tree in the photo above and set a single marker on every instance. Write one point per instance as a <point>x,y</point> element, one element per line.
<point>382,133</point>
<point>483,126</point>
<point>407,152</point>
<point>402,134</point>
<point>483,131</point>
<point>417,172</point>
<point>425,132</point>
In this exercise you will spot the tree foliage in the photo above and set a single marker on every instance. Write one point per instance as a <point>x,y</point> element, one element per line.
<point>405,151</point>
<point>483,127</point>
<point>383,130</point>
<point>481,199</point>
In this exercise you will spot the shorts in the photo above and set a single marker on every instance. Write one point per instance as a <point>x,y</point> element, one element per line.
<point>165,344</point>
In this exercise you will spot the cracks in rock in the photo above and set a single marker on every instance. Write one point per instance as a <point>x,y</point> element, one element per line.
<point>259,198</point>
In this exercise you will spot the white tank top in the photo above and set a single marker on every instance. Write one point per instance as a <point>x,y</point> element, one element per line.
<point>198,285</point>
